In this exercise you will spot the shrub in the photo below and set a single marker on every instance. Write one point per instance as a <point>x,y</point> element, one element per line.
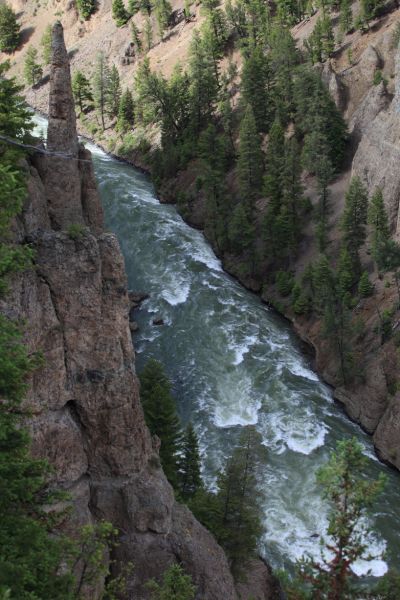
<point>76,231</point>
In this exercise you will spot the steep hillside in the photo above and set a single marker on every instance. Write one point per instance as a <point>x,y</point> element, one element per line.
<point>362,76</point>
<point>87,420</point>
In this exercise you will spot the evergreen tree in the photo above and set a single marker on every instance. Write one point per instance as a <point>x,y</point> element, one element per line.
<point>126,112</point>
<point>161,417</point>
<point>346,16</point>
<point>319,120</point>
<point>86,8</point>
<point>365,287</point>
<point>250,159</point>
<point>113,92</point>
<point>241,230</point>
<point>350,495</point>
<point>148,34</point>
<point>136,38</point>
<point>176,585</point>
<point>203,84</point>
<point>189,465</point>
<point>353,222</point>
<point>9,29</point>
<point>292,193</point>
<point>100,85</point>
<point>345,272</point>
<point>45,43</point>
<point>273,180</point>
<point>255,86</point>
<point>238,521</point>
<point>133,7</point>
<point>145,7</point>
<point>119,13</point>
<point>377,218</point>
<point>163,10</point>
<point>32,69</point>
<point>82,92</point>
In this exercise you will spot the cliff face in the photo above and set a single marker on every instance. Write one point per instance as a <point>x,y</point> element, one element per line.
<point>86,414</point>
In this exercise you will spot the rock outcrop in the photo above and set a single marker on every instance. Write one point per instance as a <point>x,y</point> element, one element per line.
<point>377,158</point>
<point>86,414</point>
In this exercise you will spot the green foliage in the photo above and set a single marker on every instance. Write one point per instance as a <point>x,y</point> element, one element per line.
<point>240,229</point>
<point>321,43</point>
<point>378,77</point>
<point>189,465</point>
<point>350,495</point>
<point>86,8</point>
<point>353,222</point>
<point>346,16</point>
<point>176,585</point>
<point>113,92</point>
<point>256,82</point>
<point>301,302</point>
<point>32,69</point>
<point>119,13</point>
<point>126,112</point>
<point>9,29</point>
<point>45,43</point>
<point>161,417</point>
<point>319,121</point>
<point>82,91</point>
<point>162,10</point>
<point>387,588</point>
<point>100,85</point>
<point>237,522</point>
<point>76,231</point>
<point>284,282</point>
<point>365,287</point>
<point>136,39</point>
<point>250,159</point>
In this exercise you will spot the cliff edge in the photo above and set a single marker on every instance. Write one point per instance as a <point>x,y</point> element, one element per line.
<point>87,420</point>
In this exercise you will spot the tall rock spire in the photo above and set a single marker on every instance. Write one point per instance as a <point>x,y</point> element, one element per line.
<point>63,175</point>
<point>62,135</point>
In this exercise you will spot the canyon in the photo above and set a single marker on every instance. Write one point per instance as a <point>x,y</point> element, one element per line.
<point>86,418</point>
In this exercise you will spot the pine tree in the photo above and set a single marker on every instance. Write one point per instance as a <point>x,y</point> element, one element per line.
<point>82,92</point>
<point>346,16</point>
<point>133,7</point>
<point>100,85</point>
<point>161,416</point>
<point>45,43</point>
<point>189,465</point>
<point>145,7</point>
<point>345,272</point>
<point>32,69</point>
<point>353,222</point>
<point>250,159</point>
<point>119,13</point>
<point>292,192</point>
<point>148,34</point>
<point>163,10</point>
<point>176,585</point>
<point>377,218</point>
<point>241,230</point>
<point>136,38</point>
<point>203,84</point>
<point>256,83</point>
<point>238,523</point>
<point>350,495</point>
<point>86,8</point>
<point>365,287</point>
<point>9,29</point>
<point>126,112</point>
<point>113,92</point>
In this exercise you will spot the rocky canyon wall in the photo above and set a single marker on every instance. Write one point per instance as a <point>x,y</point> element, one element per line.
<point>87,419</point>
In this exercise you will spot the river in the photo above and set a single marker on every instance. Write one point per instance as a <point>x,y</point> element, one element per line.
<point>234,362</point>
